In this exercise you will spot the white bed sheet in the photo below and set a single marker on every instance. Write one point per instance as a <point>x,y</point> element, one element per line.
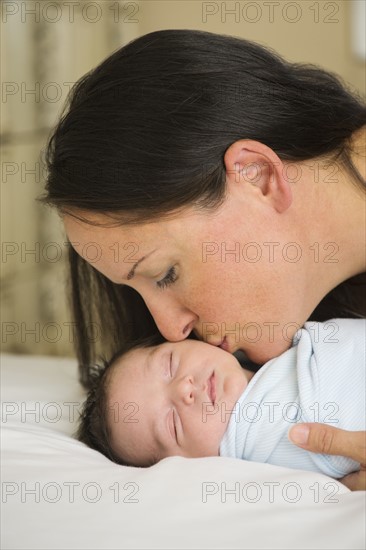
<point>59,494</point>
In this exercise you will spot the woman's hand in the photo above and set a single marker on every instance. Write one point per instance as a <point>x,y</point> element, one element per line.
<point>320,438</point>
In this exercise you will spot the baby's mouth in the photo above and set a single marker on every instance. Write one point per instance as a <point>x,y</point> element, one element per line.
<point>211,388</point>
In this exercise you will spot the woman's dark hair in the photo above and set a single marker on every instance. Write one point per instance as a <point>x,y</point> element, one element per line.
<point>145,134</point>
<point>93,428</point>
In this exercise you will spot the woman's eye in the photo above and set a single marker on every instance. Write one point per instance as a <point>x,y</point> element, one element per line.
<point>169,278</point>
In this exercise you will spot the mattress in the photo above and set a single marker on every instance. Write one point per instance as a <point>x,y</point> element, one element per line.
<point>59,494</point>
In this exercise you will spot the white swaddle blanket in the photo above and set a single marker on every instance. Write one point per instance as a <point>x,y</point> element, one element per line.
<point>320,379</point>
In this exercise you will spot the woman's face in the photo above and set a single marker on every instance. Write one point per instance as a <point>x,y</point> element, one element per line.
<point>209,272</point>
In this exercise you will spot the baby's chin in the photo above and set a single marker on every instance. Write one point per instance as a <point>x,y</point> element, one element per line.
<point>243,387</point>
<point>243,381</point>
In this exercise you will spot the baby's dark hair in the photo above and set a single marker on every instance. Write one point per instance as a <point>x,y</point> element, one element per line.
<point>93,428</point>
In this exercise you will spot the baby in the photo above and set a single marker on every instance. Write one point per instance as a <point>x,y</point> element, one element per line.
<point>193,399</point>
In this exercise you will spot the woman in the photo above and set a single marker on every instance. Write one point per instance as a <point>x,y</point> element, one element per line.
<point>210,189</point>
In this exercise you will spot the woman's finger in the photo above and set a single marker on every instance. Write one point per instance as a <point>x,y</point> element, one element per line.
<point>355,481</point>
<point>321,438</point>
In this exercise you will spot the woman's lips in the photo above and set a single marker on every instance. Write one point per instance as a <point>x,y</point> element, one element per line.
<point>224,344</point>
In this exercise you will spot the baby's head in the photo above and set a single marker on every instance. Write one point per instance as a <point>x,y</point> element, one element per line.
<point>155,401</point>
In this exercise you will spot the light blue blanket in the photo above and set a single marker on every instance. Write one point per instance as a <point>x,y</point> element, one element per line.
<point>321,378</point>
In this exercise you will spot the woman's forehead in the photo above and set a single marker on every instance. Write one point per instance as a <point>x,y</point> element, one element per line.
<point>99,228</point>
<point>117,242</point>
<point>130,219</point>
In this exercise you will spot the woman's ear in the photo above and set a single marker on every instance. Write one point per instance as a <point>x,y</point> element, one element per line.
<point>251,166</point>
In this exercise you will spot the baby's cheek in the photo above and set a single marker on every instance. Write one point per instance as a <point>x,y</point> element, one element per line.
<point>215,428</point>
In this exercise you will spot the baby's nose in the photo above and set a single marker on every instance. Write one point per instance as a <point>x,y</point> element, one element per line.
<point>185,390</point>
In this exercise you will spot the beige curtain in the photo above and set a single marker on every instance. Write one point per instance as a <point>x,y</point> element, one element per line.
<point>44,51</point>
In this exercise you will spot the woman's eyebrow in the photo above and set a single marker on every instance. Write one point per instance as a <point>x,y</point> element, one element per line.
<point>131,273</point>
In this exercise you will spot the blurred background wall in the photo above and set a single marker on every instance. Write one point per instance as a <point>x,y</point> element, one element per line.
<point>45,48</point>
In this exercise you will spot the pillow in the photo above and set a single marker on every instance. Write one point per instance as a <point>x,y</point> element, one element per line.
<point>59,494</point>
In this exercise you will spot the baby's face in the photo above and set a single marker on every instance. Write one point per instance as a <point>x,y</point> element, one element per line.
<point>173,399</point>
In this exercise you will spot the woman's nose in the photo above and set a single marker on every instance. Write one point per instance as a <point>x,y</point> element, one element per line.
<point>174,321</point>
